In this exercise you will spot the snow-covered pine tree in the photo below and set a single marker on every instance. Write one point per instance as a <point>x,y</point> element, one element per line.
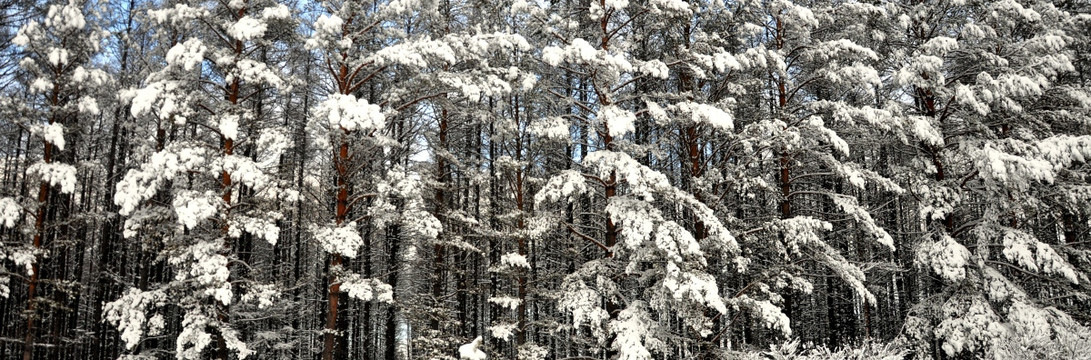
<point>487,102</point>
<point>125,64</point>
<point>653,271</point>
<point>544,180</point>
<point>349,41</point>
<point>405,76</point>
<point>58,50</point>
<point>205,103</point>
<point>996,126</point>
<point>782,58</point>
<point>821,85</point>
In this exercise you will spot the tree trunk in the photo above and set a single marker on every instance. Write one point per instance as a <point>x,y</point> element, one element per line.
<point>341,163</point>
<point>391,349</point>
<point>233,96</point>
<point>438,278</point>
<point>40,224</point>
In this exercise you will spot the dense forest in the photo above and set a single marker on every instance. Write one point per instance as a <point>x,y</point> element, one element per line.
<point>545,179</point>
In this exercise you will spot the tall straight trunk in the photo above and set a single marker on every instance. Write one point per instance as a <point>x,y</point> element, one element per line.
<point>112,224</point>
<point>334,294</point>
<point>391,337</point>
<point>296,269</point>
<point>107,238</point>
<point>782,109</point>
<point>610,191</point>
<point>233,97</point>
<point>442,181</point>
<point>928,103</point>
<point>785,158</point>
<point>493,312</point>
<point>696,170</point>
<point>607,142</point>
<point>334,345</point>
<point>369,325</point>
<point>40,224</point>
<point>438,278</point>
<point>32,284</point>
<point>520,205</point>
<point>861,255</point>
<point>225,188</point>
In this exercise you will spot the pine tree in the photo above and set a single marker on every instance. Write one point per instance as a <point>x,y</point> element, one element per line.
<point>985,85</point>
<point>59,48</point>
<point>616,179</point>
<point>193,178</point>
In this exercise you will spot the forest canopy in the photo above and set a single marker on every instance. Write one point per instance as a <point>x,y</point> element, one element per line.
<point>545,179</point>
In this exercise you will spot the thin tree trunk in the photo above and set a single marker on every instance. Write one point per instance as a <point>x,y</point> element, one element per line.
<point>520,204</point>
<point>391,349</point>
<point>40,224</point>
<point>331,336</point>
<point>233,96</point>
<point>438,278</point>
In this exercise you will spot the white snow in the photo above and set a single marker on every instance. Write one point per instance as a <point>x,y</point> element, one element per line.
<point>193,338</point>
<point>583,302</point>
<point>863,218</point>
<point>502,331</point>
<point>278,12</point>
<point>247,28</point>
<point>969,324</point>
<point>363,289</point>
<point>129,314</point>
<point>770,314</point>
<point>618,121</point>
<point>193,207</point>
<point>351,114</point>
<point>229,126</point>
<point>655,68</point>
<point>939,46</point>
<point>263,227</point>
<point>506,302</point>
<point>58,56</point>
<point>552,127</point>
<point>708,114</point>
<point>344,239</point>
<point>530,351</point>
<point>66,17</point>
<point>514,260</point>
<point>632,328</point>
<point>88,105</point>
<point>251,71</point>
<point>553,55</point>
<point>204,264</point>
<point>674,6</point>
<point>471,351</point>
<point>263,294</point>
<point>10,212</point>
<point>565,185</point>
<point>54,134</point>
<point>922,128</point>
<point>946,257</point>
<point>420,222</point>
<point>617,4</point>
<point>187,55</point>
<point>244,170</point>
<point>56,174</point>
